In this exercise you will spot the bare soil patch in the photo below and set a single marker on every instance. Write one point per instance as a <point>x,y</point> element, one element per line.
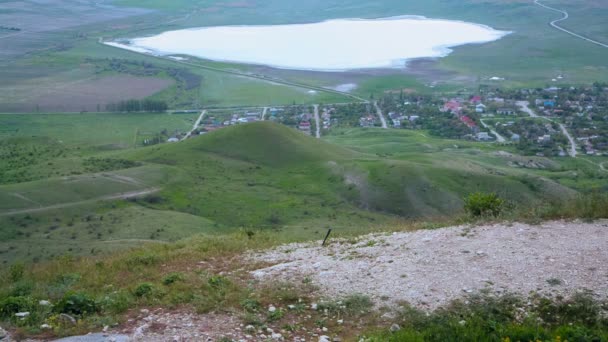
<point>88,94</point>
<point>430,268</point>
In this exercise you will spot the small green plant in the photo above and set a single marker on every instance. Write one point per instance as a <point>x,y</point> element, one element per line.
<point>173,278</point>
<point>554,281</point>
<point>251,305</point>
<point>77,303</point>
<point>481,204</point>
<point>143,289</point>
<point>275,315</point>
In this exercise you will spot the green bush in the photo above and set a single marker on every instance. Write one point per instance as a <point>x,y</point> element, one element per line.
<point>11,305</point>
<point>143,289</point>
<point>77,303</point>
<point>173,278</point>
<point>488,318</point>
<point>481,204</point>
<point>117,302</point>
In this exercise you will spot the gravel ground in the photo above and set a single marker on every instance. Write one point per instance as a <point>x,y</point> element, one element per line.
<point>429,268</point>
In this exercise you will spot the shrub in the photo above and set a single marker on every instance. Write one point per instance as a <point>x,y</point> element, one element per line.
<point>116,302</point>
<point>143,289</point>
<point>483,204</point>
<point>77,303</point>
<point>275,315</point>
<point>173,278</point>
<point>11,305</point>
<point>251,305</point>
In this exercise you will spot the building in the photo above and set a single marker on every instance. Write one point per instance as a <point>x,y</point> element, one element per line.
<point>515,138</point>
<point>480,108</point>
<point>505,111</point>
<point>545,139</point>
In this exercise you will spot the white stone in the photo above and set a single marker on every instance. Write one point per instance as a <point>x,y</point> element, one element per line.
<point>272,308</point>
<point>44,303</point>
<point>45,326</point>
<point>22,314</point>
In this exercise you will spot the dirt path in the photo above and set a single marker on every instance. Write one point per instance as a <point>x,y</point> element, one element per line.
<point>499,137</point>
<point>380,115</point>
<point>196,124</point>
<point>264,112</point>
<point>565,17</point>
<point>317,122</point>
<point>572,150</point>
<point>123,195</point>
<point>602,167</point>
<point>525,106</point>
<point>429,268</point>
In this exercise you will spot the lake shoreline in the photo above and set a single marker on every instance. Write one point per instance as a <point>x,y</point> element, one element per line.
<point>345,45</point>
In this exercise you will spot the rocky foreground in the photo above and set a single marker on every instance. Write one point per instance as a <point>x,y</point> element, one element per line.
<point>429,268</point>
<point>426,268</point>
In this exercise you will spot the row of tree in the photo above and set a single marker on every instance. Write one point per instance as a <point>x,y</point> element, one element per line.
<point>130,106</point>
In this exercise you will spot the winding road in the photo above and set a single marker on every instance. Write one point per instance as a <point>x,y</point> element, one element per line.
<point>317,122</point>
<point>565,17</point>
<point>525,106</point>
<point>380,115</point>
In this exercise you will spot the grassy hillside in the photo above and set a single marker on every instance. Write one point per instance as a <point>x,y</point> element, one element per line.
<point>259,177</point>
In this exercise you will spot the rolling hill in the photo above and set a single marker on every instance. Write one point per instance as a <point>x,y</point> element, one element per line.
<point>260,176</point>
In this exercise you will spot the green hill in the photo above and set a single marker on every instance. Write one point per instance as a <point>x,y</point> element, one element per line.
<point>261,143</point>
<point>260,176</point>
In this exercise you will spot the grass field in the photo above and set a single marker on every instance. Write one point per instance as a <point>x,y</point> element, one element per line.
<point>257,177</point>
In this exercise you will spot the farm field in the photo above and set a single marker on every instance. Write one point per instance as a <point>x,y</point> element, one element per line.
<point>532,56</point>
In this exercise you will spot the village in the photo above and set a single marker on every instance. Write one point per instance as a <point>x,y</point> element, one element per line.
<point>551,121</point>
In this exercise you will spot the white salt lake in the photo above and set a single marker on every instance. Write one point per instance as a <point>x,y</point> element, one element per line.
<point>333,45</point>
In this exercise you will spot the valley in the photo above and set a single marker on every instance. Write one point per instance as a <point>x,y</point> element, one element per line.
<point>278,170</point>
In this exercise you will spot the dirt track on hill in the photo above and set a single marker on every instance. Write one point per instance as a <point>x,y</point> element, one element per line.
<point>123,195</point>
<point>429,268</point>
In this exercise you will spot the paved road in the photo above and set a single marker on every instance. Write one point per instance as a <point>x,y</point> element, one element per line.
<point>524,105</point>
<point>380,115</point>
<point>196,124</point>
<point>318,122</point>
<point>565,17</point>
<point>264,111</point>
<point>499,137</point>
<point>123,195</point>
